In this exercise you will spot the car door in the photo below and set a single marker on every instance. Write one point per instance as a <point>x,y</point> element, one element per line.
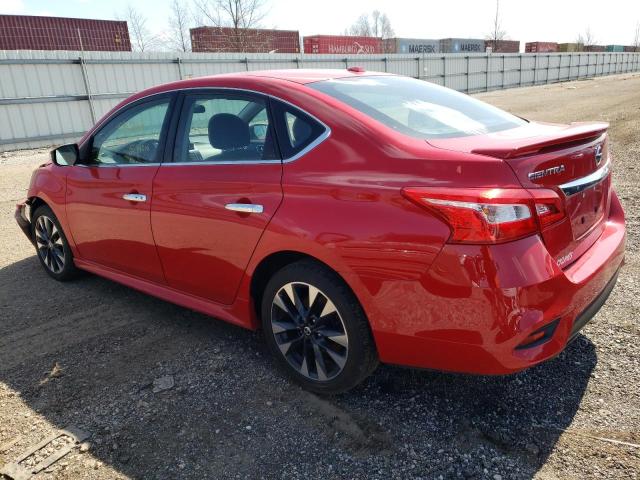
<point>109,193</point>
<point>212,203</point>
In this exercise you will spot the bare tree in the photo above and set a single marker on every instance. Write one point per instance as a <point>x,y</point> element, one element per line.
<point>140,37</point>
<point>636,38</point>
<point>179,38</point>
<point>232,13</point>
<point>197,18</point>
<point>497,33</point>
<point>361,27</point>
<point>377,24</point>
<point>589,38</point>
<point>240,15</point>
<point>585,39</point>
<point>381,25</point>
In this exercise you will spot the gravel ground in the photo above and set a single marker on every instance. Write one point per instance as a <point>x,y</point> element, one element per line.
<point>93,354</point>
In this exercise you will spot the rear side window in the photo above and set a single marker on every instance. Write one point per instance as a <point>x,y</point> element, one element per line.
<point>417,108</point>
<point>224,128</point>
<point>296,130</point>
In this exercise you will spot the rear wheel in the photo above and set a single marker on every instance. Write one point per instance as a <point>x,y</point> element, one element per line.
<point>316,329</point>
<point>51,245</point>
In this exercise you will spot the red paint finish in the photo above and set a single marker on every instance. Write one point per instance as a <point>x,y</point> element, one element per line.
<point>477,303</point>
<point>107,229</point>
<point>537,147</point>
<point>209,252</point>
<point>431,302</point>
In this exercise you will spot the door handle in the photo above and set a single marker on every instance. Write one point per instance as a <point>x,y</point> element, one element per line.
<point>244,207</point>
<point>134,197</point>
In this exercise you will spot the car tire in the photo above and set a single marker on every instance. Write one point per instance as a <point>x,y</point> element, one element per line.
<point>52,247</point>
<point>327,347</point>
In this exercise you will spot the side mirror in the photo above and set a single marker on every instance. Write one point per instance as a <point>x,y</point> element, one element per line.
<point>259,131</point>
<point>65,155</point>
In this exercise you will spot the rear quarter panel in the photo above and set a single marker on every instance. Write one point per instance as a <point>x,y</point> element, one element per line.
<point>343,205</point>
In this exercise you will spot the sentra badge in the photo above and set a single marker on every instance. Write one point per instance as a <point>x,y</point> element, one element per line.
<point>546,172</point>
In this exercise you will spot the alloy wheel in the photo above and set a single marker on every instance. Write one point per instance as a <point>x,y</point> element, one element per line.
<point>49,244</point>
<point>309,331</point>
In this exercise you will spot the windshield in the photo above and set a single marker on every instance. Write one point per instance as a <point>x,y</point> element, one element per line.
<point>418,108</point>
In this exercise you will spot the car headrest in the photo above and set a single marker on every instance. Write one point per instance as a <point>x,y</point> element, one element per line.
<point>301,132</point>
<point>228,132</point>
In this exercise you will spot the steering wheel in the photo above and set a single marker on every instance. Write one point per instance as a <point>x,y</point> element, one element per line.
<point>141,151</point>
<point>149,147</point>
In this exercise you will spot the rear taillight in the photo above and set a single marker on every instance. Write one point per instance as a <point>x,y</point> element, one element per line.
<point>549,208</point>
<point>493,215</point>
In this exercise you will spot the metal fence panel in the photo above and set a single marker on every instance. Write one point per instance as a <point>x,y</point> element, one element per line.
<point>52,97</point>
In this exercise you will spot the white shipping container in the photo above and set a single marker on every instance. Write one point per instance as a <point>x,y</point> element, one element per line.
<point>412,45</point>
<point>461,45</point>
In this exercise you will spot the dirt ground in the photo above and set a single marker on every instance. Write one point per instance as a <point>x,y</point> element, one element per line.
<point>87,353</point>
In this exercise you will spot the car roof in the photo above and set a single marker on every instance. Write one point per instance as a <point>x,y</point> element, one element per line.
<point>300,76</point>
<point>306,75</point>
<point>261,78</point>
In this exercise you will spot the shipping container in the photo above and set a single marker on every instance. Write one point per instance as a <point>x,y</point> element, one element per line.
<point>540,47</point>
<point>247,40</point>
<point>570,47</point>
<point>342,44</point>
<point>615,48</point>
<point>461,45</point>
<point>594,48</point>
<point>25,32</point>
<point>502,46</point>
<point>631,48</point>
<point>411,45</point>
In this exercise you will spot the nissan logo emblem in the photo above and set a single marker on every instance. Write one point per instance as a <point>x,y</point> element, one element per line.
<point>598,154</point>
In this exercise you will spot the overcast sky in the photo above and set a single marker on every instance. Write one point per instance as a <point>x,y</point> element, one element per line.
<point>611,21</point>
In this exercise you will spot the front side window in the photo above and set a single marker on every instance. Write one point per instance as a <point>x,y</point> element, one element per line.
<point>417,108</point>
<point>219,128</point>
<point>132,137</point>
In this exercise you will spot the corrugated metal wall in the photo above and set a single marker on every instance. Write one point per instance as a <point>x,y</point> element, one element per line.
<point>49,98</point>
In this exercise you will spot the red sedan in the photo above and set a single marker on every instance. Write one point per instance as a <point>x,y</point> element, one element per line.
<point>356,217</point>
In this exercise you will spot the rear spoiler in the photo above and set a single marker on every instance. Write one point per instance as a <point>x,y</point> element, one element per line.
<point>575,133</point>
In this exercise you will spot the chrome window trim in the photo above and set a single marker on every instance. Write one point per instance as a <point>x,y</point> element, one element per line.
<point>301,153</point>
<point>312,145</point>
<point>116,165</point>
<point>102,123</point>
<point>223,162</point>
<point>581,184</point>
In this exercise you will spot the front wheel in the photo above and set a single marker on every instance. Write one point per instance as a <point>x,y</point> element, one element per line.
<point>52,247</point>
<point>316,328</point>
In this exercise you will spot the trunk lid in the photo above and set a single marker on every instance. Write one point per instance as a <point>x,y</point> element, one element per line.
<point>569,159</point>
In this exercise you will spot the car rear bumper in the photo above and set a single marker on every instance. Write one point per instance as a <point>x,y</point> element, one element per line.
<point>23,217</point>
<point>589,312</point>
<point>498,309</point>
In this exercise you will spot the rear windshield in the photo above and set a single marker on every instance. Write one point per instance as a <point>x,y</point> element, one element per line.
<point>417,108</point>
